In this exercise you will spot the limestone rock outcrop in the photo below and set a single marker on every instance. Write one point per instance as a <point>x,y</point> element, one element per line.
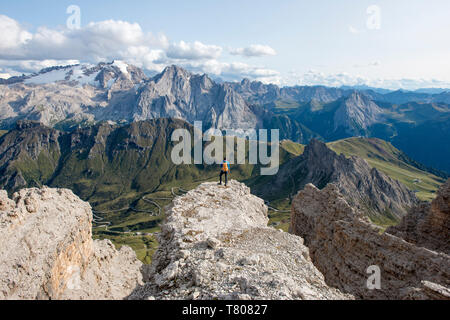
<point>215,244</point>
<point>428,224</point>
<point>47,251</point>
<point>344,245</point>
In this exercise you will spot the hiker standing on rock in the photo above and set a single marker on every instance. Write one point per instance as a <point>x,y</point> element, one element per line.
<point>225,169</point>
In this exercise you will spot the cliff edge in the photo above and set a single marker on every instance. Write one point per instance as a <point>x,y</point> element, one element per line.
<point>428,224</point>
<point>47,251</point>
<point>215,244</point>
<point>345,247</point>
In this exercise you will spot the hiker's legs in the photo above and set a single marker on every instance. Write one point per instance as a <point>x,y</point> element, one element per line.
<point>221,173</point>
<point>226,178</point>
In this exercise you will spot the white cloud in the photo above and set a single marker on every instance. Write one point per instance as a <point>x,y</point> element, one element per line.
<point>98,41</point>
<point>313,77</point>
<point>235,71</point>
<point>5,75</point>
<point>25,52</point>
<point>12,33</point>
<point>18,67</point>
<point>354,30</point>
<point>370,64</point>
<point>193,51</point>
<point>144,57</point>
<point>255,50</point>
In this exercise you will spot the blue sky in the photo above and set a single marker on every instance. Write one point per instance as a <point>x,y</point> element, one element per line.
<point>400,44</point>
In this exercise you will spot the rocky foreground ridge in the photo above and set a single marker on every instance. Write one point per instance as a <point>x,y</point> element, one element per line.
<point>47,251</point>
<point>428,224</point>
<point>344,244</point>
<point>216,244</point>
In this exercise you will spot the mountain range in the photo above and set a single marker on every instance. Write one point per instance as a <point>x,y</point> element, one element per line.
<point>113,166</point>
<point>363,186</point>
<point>126,174</point>
<point>80,95</point>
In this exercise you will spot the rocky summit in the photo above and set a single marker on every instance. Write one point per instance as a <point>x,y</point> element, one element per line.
<point>428,224</point>
<point>47,251</point>
<point>215,244</point>
<point>121,92</point>
<point>346,248</point>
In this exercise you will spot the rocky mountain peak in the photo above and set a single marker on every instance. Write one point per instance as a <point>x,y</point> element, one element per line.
<point>362,185</point>
<point>245,82</point>
<point>47,251</point>
<point>358,96</point>
<point>215,244</point>
<point>27,124</point>
<point>172,72</point>
<point>317,149</point>
<point>344,245</point>
<point>428,225</point>
<point>356,112</point>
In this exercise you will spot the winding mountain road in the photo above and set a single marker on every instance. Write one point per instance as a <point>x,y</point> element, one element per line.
<point>100,222</point>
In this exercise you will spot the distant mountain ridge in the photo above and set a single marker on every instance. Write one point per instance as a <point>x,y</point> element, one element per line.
<point>364,187</point>
<point>120,168</point>
<point>64,97</point>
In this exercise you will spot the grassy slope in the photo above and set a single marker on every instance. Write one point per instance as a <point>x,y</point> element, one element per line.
<point>104,179</point>
<point>292,147</point>
<point>386,158</point>
<point>379,154</point>
<point>286,104</point>
<point>2,132</point>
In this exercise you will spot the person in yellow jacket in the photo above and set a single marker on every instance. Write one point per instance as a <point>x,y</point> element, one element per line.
<point>225,169</point>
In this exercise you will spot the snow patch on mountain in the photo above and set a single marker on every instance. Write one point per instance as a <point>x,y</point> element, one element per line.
<point>123,67</point>
<point>82,74</point>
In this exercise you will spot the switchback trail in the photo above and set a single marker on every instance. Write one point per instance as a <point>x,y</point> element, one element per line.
<point>100,222</point>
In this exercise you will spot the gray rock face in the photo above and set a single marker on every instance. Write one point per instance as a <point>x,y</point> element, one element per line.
<point>355,113</point>
<point>428,224</point>
<point>47,251</point>
<point>256,92</point>
<point>20,152</point>
<point>362,186</point>
<point>121,92</point>
<point>177,93</point>
<point>259,93</point>
<point>344,244</point>
<point>215,244</point>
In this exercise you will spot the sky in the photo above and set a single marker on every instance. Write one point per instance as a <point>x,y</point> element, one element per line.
<point>390,44</point>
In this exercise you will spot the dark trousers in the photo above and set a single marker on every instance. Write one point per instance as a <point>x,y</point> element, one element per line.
<point>226,177</point>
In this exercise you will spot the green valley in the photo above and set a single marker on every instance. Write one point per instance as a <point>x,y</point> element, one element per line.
<point>125,172</point>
